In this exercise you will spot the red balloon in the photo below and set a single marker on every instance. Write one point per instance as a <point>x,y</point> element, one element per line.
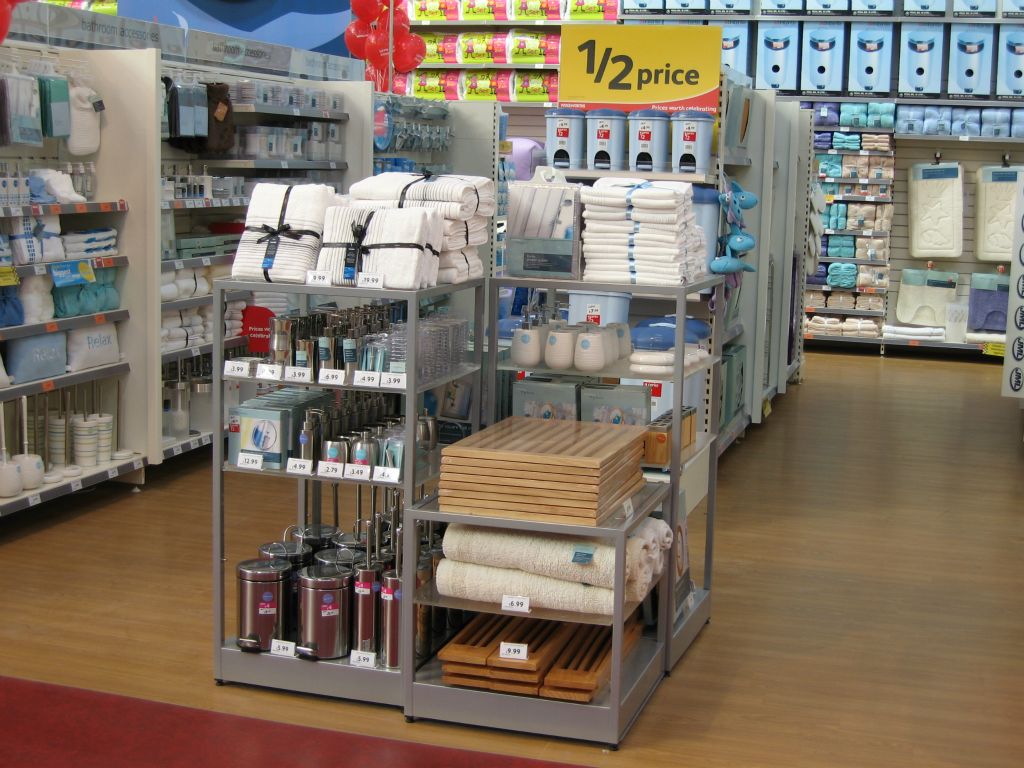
<point>5,20</point>
<point>367,10</point>
<point>401,22</point>
<point>409,53</point>
<point>355,37</point>
<point>377,48</point>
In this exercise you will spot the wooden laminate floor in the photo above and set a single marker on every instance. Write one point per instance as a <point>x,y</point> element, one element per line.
<point>868,606</point>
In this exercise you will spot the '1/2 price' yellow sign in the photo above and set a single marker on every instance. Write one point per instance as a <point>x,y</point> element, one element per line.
<point>638,67</point>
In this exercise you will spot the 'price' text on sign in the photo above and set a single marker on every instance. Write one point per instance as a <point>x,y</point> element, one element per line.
<point>668,68</point>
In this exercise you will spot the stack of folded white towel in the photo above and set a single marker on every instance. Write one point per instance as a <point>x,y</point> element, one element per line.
<point>824,326</point>
<point>232,320</point>
<point>985,338</point>
<point>180,330</point>
<point>184,284</point>
<point>861,327</point>
<point>465,204</point>
<point>34,239</point>
<point>641,232</point>
<point>870,302</point>
<point>283,229</point>
<point>650,363</point>
<point>401,245</point>
<point>91,243</point>
<point>924,333</point>
<point>36,297</point>
<point>275,302</point>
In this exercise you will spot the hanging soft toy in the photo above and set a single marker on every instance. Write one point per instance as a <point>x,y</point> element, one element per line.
<point>738,241</point>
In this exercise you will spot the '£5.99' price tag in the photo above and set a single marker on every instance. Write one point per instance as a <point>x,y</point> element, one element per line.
<point>365,659</point>
<point>250,461</point>
<point>514,651</point>
<point>515,603</point>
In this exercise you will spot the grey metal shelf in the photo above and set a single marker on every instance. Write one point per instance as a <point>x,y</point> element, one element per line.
<point>732,431</point>
<point>197,262</point>
<point>483,65</point>
<point>874,342</point>
<point>194,442</point>
<point>861,198</point>
<point>912,137</point>
<point>204,203</point>
<point>299,113</point>
<point>661,291</point>
<point>689,456</point>
<point>586,174</point>
<point>466,369</point>
<point>203,349</point>
<point>618,370</point>
<point>97,262</point>
<point>67,380</point>
<point>272,165</point>
<point>62,209</point>
<point>202,301</point>
<point>857,152</point>
<point>831,289</point>
<point>859,182</point>
<point>858,232</point>
<point>853,312</point>
<point>911,343</point>
<point>428,470</point>
<point>733,332</point>
<point>90,476</point>
<point>689,622</point>
<point>238,286</point>
<point>844,260</point>
<point>62,324</point>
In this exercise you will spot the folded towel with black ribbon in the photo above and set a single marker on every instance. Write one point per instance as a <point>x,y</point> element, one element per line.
<point>460,197</point>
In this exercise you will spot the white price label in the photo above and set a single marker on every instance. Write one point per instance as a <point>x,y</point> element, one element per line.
<point>250,461</point>
<point>330,469</point>
<point>386,474</point>
<point>332,376</point>
<point>627,507</point>
<point>206,261</point>
<point>369,280</point>
<point>366,659</point>
<point>236,369</point>
<point>357,472</point>
<point>176,450</point>
<point>269,372</point>
<point>34,500</point>
<point>137,464</point>
<point>179,264</point>
<point>296,112</point>
<point>963,138</point>
<point>196,352</point>
<point>39,269</point>
<point>300,467</point>
<point>298,375</point>
<point>318,277</point>
<point>392,381</point>
<point>282,648</point>
<point>76,485</point>
<point>864,152</point>
<point>515,603</point>
<point>193,444</point>
<point>111,473</point>
<point>514,651</point>
<point>367,379</point>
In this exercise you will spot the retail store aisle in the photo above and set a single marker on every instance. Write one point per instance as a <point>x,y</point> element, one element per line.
<point>867,611</point>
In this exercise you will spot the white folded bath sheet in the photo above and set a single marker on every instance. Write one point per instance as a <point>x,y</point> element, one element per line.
<point>472,195</point>
<point>283,228</point>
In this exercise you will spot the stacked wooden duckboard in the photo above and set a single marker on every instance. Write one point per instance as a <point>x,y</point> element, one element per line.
<point>570,662</point>
<point>560,471</point>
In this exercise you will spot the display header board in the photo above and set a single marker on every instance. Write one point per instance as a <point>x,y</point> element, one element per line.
<point>627,67</point>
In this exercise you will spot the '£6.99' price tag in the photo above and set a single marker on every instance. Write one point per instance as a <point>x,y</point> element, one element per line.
<point>515,603</point>
<point>365,659</point>
<point>514,651</point>
<point>331,376</point>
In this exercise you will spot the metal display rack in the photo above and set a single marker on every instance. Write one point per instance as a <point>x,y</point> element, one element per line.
<point>338,677</point>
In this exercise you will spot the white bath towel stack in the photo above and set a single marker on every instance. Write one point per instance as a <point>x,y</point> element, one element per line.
<point>25,245</point>
<point>401,245</point>
<point>641,232</point>
<point>232,320</point>
<point>905,332</point>
<point>91,243</point>
<point>860,327</point>
<point>481,563</point>
<point>180,330</point>
<point>36,297</point>
<point>825,326</point>
<point>464,203</point>
<point>283,229</point>
<point>275,302</point>
<point>648,363</point>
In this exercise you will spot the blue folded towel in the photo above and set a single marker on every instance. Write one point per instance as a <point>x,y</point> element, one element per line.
<point>966,122</point>
<point>881,115</point>
<point>1017,124</point>
<point>842,275</point>
<point>826,113</point>
<point>853,115</point>
<point>995,121</point>
<point>937,121</point>
<point>909,119</point>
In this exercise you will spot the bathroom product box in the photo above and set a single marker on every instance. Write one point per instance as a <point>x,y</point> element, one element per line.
<point>778,43</point>
<point>686,6</point>
<point>543,398</point>
<point>734,358</point>
<point>736,46</point>
<point>924,7</point>
<point>658,443</point>
<point>922,59</point>
<point>1013,9</point>
<point>262,431</point>
<point>971,57</point>
<point>728,6</point>
<point>539,237</point>
<point>1010,69</point>
<point>823,54</point>
<point>967,8</point>
<point>642,6</point>
<point>781,7</point>
<point>827,7</point>
<point>872,7</point>
<point>870,65</point>
<point>615,404</point>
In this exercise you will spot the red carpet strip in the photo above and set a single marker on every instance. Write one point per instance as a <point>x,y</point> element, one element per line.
<point>53,726</point>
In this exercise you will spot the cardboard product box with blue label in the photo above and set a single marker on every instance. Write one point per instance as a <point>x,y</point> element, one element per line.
<point>1013,9</point>
<point>1010,69</point>
<point>872,7</point>
<point>642,6</point>
<point>615,404</point>
<point>770,7</point>
<point>827,7</point>
<point>823,54</point>
<point>871,51</point>
<point>736,46</point>
<point>686,6</point>
<point>542,398</point>
<point>922,59</point>
<point>971,57</point>
<point>924,7</point>
<point>732,6</point>
<point>778,44</point>
<point>974,7</point>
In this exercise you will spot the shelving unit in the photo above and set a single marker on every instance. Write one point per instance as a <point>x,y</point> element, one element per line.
<point>336,678</point>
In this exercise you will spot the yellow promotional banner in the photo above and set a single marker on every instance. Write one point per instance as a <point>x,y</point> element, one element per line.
<point>628,67</point>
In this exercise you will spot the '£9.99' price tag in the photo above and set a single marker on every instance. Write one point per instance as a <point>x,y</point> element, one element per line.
<point>318,277</point>
<point>514,651</point>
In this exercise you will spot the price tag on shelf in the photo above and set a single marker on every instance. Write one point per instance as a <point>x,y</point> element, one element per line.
<point>515,603</point>
<point>236,369</point>
<point>963,138</point>
<point>627,507</point>
<point>284,164</point>
<point>76,485</point>
<point>195,443</point>
<point>34,500</point>
<point>333,165</point>
<point>300,467</point>
<point>392,381</point>
<point>369,280</point>
<point>176,450</point>
<point>269,372</point>
<point>329,469</point>
<point>863,152</point>
<point>387,474</point>
<point>282,648</point>
<point>365,659</point>
<point>357,472</point>
<point>179,264</point>
<point>111,473</point>
<point>298,375</point>
<point>296,111</point>
<point>39,269</point>
<point>206,261</point>
<point>514,651</point>
<point>318,277</point>
<point>250,461</point>
<point>332,376</point>
<point>137,464</point>
<point>367,379</point>
<point>195,352</point>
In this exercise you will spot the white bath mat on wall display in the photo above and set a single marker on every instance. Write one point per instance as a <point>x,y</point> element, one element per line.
<point>995,200</point>
<point>936,211</point>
